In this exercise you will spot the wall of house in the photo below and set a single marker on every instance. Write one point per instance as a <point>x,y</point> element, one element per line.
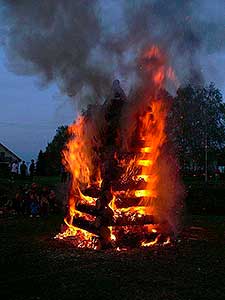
<point>6,156</point>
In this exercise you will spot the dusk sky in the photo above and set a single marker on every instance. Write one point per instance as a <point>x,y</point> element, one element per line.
<point>30,114</point>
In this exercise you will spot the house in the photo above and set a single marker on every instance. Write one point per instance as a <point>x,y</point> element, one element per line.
<point>7,156</point>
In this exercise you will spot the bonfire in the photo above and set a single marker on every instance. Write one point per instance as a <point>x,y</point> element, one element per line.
<point>124,179</point>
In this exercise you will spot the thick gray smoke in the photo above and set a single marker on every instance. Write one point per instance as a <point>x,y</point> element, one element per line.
<point>189,31</point>
<point>82,45</point>
<point>56,40</point>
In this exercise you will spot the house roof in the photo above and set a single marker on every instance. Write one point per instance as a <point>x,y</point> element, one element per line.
<point>11,152</point>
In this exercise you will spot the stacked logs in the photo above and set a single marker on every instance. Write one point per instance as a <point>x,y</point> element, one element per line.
<point>111,173</point>
<point>110,169</point>
<point>105,218</point>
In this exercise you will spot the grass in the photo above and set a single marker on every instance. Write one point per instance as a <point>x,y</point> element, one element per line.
<point>42,180</point>
<point>35,266</point>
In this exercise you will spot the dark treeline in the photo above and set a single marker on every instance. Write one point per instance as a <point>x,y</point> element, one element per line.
<point>196,127</point>
<point>49,161</point>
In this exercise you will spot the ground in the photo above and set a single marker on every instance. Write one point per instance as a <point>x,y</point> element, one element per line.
<point>35,266</point>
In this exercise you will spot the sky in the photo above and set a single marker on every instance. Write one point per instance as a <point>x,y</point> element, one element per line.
<point>29,115</point>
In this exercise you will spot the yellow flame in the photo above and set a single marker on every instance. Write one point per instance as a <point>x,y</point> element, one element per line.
<point>112,235</point>
<point>88,199</point>
<point>143,193</point>
<point>145,177</point>
<point>145,162</point>
<point>146,150</point>
<point>167,241</point>
<point>152,243</point>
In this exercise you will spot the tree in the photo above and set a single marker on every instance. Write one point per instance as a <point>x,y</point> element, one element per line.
<point>49,161</point>
<point>197,126</point>
<point>41,164</point>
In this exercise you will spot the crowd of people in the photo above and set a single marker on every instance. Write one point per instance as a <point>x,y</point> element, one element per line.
<point>24,197</point>
<point>22,169</point>
<point>34,201</point>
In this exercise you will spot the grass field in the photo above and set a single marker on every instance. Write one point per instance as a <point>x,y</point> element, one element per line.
<point>42,180</point>
<point>35,266</point>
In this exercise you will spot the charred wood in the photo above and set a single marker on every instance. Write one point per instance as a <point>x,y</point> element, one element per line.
<point>133,220</point>
<point>128,185</point>
<point>88,209</point>
<point>92,191</point>
<point>85,225</point>
<point>105,220</point>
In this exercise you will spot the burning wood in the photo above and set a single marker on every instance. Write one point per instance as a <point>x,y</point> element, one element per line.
<point>115,167</point>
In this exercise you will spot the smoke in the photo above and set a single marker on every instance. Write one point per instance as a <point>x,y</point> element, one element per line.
<point>188,31</point>
<point>56,40</point>
<point>82,45</point>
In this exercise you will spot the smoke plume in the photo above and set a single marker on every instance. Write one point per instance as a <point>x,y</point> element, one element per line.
<point>82,45</point>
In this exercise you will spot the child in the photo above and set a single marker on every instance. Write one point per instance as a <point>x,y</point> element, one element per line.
<point>34,207</point>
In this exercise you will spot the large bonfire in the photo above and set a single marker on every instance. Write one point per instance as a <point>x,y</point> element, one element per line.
<point>124,181</point>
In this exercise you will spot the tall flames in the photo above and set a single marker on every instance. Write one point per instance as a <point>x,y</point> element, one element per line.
<point>152,136</point>
<point>112,207</point>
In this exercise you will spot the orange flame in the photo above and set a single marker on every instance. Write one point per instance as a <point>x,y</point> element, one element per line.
<point>79,156</point>
<point>79,159</point>
<point>152,132</point>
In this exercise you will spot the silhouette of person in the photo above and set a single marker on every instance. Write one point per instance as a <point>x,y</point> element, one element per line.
<point>23,169</point>
<point>32,169</point>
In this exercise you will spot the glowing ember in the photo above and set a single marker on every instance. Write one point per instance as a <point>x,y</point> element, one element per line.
<point>168,241</point>
<point>148,244</point>
<point>144,177</point>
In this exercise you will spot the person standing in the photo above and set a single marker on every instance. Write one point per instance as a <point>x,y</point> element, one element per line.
<point>14,170</point>
<point>32,169</point>
<point>23,169</point>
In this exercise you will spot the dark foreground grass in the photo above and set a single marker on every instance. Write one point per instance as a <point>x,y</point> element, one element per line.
<point>33,266</point>
<point>9,187</point>
<point>8,183</point>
